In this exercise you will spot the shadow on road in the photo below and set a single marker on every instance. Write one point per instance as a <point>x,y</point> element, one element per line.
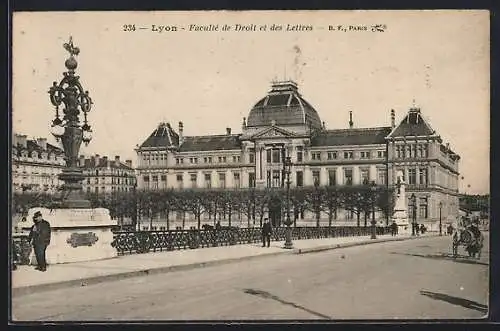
<point>448,257</point>
<point>456,301</point>
<point>267,295</point>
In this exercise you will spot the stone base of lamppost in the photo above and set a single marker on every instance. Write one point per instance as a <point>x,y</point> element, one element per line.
<point>373,230</point>
<point>77,235</point>
<point>288,235</point>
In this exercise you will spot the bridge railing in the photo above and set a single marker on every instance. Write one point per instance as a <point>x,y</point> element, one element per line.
<point>137,242</point>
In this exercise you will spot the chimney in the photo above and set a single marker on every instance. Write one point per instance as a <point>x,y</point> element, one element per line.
<point>244,126</point>
<point>128,163</point>
<point>393,119</point>
<point>105,161</point>
<point>117,160</point>
<point>324,125</point>
<point>351,123</point>
<point>42,142</point>
<point>181,133</point>
<point>96,160</point>
<point>228,131</point>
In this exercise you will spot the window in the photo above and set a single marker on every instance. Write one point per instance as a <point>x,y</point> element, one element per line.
<point>332,177</point>
<point>209,159</point>
<point>348,176</point>
<point>276,155</point>
<point>205,159</point>
<point>381,175</point>
<point>236,179</point>
<point>222,180</point>
<point>423,208</point>
<point>235,159</point>
<point>315,174</point>
<point>412,176</point>
<point>425,151</point>
<point>348,155</point>
<point>268,178</point>
<point>300,179</point>
<point>163,178</point>
<point>276,178</point>
<point>408,151</point>
<point>381,154</point>
<point>423,176</point>
<point>179,177</point>
<point>332,155</point>
<point>268,155</point>
<point>398,152</point>
<point>316,156</point>
<point>251,155</point>
<point>365,155</point>
<point>365,177</point>
<point>251,179</point>
<point>96,190</point>
<point>193,180</point>
<point>300,154</point>
<point>208,181</point>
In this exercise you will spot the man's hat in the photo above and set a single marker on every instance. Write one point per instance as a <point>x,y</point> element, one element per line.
<point>38,213</point>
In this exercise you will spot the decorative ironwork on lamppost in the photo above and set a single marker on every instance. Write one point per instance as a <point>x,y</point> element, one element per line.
<point>317,202</point>
<point>288,221</point>
<point>414,214</point>
<point>440,224</point>
<point>75,100</point>
<point>374,193</point>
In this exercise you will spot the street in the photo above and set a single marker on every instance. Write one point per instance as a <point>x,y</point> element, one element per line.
<point>412,279</point>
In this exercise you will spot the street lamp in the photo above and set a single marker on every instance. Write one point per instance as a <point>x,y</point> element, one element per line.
<point>414,216</point>
<point>374,191</point>
<point>440,225</point>
<point>75,100</point>
<point>316,201</point>
<point>288,222</point>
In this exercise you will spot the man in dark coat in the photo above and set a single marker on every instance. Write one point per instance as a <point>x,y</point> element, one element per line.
<point>40,238</point>
<point>266,233</point>
<point>394,228</point>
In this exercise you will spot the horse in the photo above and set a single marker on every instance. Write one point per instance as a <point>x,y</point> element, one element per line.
<point>464,237</point>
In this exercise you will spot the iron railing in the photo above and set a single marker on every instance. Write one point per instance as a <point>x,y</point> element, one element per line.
<point>132,242</point>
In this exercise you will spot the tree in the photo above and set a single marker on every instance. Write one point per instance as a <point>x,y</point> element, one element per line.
<point>298,200</point>
<point>352,200</point>
<point>385,202</point>
<point>261,204</point>
<point>196,202</point>
<point>330,202</point>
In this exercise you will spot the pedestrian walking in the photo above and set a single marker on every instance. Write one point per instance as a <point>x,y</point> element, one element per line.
<point>266,233</point>
<point>394,228</point>
<point>40,238</point>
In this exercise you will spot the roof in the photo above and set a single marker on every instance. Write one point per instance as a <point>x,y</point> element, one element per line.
<point>32,145</point>
<point>357,136</point>
<point>210,143</point>
<point>413,125</point>
<point>162,136</point>
<point>284,105</point>
<point>103,163</point>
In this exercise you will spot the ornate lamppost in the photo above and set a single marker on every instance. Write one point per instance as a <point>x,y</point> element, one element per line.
<point>75,100</point>
<point>374,191</point>
<point>414,214</point>
<point>316,201</point>
<point>288,221</point>
<point>440,224</point>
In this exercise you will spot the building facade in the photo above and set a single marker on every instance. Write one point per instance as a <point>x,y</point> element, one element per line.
<point>283,123</point>
<point>103,176</point>
<point>36,165</point>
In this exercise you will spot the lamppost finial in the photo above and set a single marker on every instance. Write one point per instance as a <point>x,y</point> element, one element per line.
<point>71,48</point>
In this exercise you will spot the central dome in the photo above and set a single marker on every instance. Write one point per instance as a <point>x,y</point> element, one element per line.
<point>285,106</point>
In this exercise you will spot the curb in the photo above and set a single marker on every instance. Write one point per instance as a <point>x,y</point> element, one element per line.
<point>30,289</point>
<point>361,243</point>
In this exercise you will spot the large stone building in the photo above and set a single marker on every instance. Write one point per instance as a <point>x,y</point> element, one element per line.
<point>283,121</point>
<point>36,165</point>
<point>103,175</point>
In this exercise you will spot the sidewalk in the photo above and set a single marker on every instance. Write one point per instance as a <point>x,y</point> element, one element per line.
<point>27,280</point>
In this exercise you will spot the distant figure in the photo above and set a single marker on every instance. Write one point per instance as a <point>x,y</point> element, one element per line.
<point>266,233</point>
<point>40,238</point>
<point>217,226</point>
<point>422,228</point>
<point>394,228</point>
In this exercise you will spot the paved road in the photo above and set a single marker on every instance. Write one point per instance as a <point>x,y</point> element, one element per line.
<point>410,279</point>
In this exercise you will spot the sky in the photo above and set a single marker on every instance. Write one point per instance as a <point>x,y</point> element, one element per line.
<point>210,80</point>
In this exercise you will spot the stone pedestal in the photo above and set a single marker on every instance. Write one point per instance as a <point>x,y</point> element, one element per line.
<point>400,215</point>
<point>77,234</point>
